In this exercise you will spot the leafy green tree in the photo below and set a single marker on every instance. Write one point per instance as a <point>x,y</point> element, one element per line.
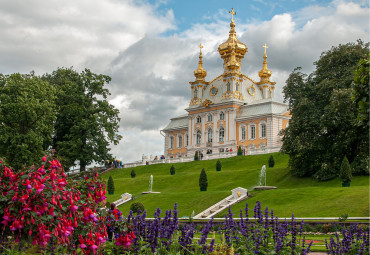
<point>137,207</point>
<point>345,171</point>
<point>271,161</point>
<point>172,170</point>
<point>323,125</point>
<point>196,156</point>
<point>218,165</point>
<point>86,123</point>
<point>240,152</point>
<point>203,182</point>
<point>110,185</point>
<point>133,173</point>
<point>27,113</point>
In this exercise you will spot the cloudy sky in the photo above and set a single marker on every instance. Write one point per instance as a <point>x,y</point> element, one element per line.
<point>149,47</point>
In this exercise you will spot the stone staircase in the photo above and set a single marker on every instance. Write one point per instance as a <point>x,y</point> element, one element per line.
<point>124,198</point>
<point>237,195</point>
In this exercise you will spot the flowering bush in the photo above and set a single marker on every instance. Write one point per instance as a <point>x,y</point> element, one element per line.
<point>41,204</point>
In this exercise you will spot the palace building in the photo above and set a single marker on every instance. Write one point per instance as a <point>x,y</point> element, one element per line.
<point>229,111</point>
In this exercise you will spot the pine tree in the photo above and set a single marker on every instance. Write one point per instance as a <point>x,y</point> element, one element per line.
<point>203,182</point>
<point>240,152</point>
<point>133,174</point>
<point>196,156</point>
<point>172,170</point>
<point>218,165</point>
<point>110,186</point>
<point>271,161</point>
<point>345,171</point>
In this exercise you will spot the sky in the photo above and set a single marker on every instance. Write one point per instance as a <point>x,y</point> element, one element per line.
<point>149,48</point>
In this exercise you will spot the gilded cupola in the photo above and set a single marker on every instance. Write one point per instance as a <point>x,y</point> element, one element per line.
<point>200,73</point>
<point>232,51</point>
<point>265,73</point>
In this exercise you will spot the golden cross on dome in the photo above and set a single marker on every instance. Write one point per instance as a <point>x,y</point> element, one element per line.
<point>200,47</point>
<point>265,46</point>
<point>232,14</point>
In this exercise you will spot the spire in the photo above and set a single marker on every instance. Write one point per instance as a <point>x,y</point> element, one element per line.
<point>200,73</point>
<point>265,73</point>
<point>232,51</point>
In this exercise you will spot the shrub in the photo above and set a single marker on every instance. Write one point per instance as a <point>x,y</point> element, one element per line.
<point>240,152</point>
<point>203,182</point>
<point>172,170</point>
<point>218,165</point>
<point>271,161</point>
<point>133,173</point>
<point>345,171</point>
<point>137,207</point>
<point>110,186</point>
<point>196,156</point>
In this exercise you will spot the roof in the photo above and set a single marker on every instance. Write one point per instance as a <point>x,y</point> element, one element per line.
<point>179,122</point>
<point>262,107</point>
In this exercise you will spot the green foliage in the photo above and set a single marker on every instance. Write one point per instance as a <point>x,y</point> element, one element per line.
<point>218,165</point>
<point>196,156</point>
<point>86,123</point>
<point>240,152</point>
<point>271,161</point>
<point>323,127</point>
<point>110,185</point>
<point>343,217</point>
<point>137,207</point>
<point>203,182</point>
<point>27,113</point>
<point>133,173</point>
<point>172,170</point>
<point>345,171</point>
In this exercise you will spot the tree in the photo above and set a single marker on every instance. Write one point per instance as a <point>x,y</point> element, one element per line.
<point>133,173</point>
<point>110,185</point>
<point>27,113</point>
<point>345,171</point>
<point>137,207</point>
<point>322,128</point>
<point>86,123</point>
<point>203,182</point>
<point>218,165</point>
<point>240,152</point>
<point>196,156</point>
<point>271,161</point>
<point>172,170</point>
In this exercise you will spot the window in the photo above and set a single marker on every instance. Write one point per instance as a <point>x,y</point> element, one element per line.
<point>222,134</point>
<point>222,116</point>
<point>186,140</point>
<point>199,119</point>
<point>180,141</point>
<point>228,86</point>
<point>263,130</point>
<point>243,133</point>
<point>199,137</point>
<point>209,117</point>
<point>253,132</point>
<point>195,93</point>
<point>210,135</point>
<point>213,91</point>
<point>237,86</point>
<point>172,142</point>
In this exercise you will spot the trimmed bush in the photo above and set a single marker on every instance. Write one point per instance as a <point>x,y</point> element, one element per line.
<point>203,182</point>
<point>110,186</point>
<point>137,207</point>
<point>133,173</point>
<point>218,165</point>
<point>172,170</point>
<point>271,161</point>
<point>240,152</point>
<point>196,156</point>
<point>345,172</point>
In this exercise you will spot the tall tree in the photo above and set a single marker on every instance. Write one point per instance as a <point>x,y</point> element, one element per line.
<point>322,129</point>
<point>86,123</point>
<point>27,113</point>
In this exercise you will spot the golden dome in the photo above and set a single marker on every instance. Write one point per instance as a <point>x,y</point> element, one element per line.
<point>200,73</point>
<point>265,73</point>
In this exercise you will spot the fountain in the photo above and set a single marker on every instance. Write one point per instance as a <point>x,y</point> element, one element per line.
<point>262,180</point>
<point>150,187</point>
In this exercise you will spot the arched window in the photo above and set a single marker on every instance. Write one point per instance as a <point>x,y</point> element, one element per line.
<point>252,132</point>
<point>222,116</point>
<point>263,130</point>
<point>222,134</point>
<point>243,132</point>
<point>237,86</point>
<point>172,142</point>
<point>199,119</point>
<point>209,117</point>
<point>195,93</point>
<point>210,135</point>
<point>186,140</point>
<point>180,140</point>
<point>228,86</point>
<point>199,137</point>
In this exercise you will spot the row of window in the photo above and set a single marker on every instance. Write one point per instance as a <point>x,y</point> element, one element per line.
<point>209,117</point>
<point>252,131</point>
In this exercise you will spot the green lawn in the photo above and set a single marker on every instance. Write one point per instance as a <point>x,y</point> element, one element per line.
<point>304,197</point>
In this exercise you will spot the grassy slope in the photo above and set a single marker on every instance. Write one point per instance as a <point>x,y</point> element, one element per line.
<point>302,196</point>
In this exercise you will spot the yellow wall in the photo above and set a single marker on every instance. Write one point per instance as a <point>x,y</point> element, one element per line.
<point>175,150</point>
<point>248,142</point>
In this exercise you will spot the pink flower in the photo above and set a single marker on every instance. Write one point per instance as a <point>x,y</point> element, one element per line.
<point>44,158</point>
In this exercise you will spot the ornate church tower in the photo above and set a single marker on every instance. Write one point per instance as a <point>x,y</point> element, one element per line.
<point>266,86</point>
<point>199,84</point>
